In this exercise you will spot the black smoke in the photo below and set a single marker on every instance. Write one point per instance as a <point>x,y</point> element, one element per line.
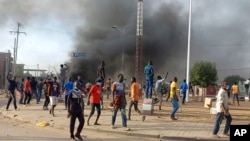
<point>164,39</point>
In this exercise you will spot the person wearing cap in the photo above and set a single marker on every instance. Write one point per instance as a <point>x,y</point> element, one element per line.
<point>94,98</point>
<point>76,110</point>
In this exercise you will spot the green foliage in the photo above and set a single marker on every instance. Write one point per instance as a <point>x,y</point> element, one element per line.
<point>233,78</point>
<point>204,73</point>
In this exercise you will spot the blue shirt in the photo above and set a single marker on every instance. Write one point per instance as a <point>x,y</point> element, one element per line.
<point>148,70</point>
<point>68,86</point>
<point>183,87</point>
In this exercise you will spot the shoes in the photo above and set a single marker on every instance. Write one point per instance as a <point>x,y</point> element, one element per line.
<point>126,129</point>
<point>173,118</point>
<point>97,124</point>
<point>112,126</point>
<point>72,139</point>
<point>226,134</point>
<point>215,136</point>
<point>79,137</point>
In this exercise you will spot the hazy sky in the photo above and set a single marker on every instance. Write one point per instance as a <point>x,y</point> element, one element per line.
<point>220,30</point>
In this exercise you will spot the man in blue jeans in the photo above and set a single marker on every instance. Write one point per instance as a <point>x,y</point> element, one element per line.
<point>222,108</point>
<point>174,98</point>
<point>149,74</point>
<point>119,102</point>
<point>183,89</point>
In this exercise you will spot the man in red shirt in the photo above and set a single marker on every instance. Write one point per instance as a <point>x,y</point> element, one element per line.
<point>94,98</point>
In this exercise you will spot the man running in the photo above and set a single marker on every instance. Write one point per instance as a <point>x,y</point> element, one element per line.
<point>12,88</point>
<point>119,102</point>
<point>76,110</point>
<point>94,98</point>
<point>134,98</point>
<point>183,89</point>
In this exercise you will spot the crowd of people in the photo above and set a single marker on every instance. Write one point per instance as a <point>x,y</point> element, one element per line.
<point>75,90</point>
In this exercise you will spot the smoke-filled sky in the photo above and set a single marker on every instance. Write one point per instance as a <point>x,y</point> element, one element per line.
<point>57,28</point>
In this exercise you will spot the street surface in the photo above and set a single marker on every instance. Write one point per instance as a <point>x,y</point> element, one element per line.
<point>12,130</point>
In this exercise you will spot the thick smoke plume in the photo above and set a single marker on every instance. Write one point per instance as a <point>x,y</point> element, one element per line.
<point>219,32</point>
<point>165,32</point>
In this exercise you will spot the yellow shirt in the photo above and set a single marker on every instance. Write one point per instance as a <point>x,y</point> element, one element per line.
<point>134,91</point>
<point>173,89</point>
<point>235,89</point>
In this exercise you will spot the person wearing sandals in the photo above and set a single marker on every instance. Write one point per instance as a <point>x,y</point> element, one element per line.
<point>94,98</point>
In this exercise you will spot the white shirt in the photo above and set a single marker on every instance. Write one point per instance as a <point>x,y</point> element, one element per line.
<point>158,84</point>
<point>222,97</point>
<point>247,82</point>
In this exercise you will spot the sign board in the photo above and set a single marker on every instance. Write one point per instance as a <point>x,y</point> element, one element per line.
<point>77,54</point>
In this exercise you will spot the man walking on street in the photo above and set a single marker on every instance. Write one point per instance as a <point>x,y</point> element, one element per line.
<point>27,91</point>
<point>183,89</point>
<point>134,98</point>
<point>53,95</point>
<point>33,86</point>
<point>40,89</point>
<point>149,74</point>
<point>174,98</point>
<point>68,86</point>
<point>119,102</point>
<point>222,108</point>
<point>235,91</point>
<point>21,91</point>
<point>94,98</point>
<point>12,88</point>
<point>76,110</point>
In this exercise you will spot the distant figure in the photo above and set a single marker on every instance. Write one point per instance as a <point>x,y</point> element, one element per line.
<point>63,70</point>
<point>183,89</point>
<point>190,88</point>
<point>12,88</point>
<point>247,83</point>
<point>33,86</point>
<point>40,89</point>
<point>76,110</point>
<point>222,109</point>
<point>101,72</point>
<point>68,87</point>
<point>27,91</point>
<point>235,91</point>
<point>108,87</point>
<point>48,84</point>
<point>88,86</point>
<point>21,86</point>
<point>149,74</point>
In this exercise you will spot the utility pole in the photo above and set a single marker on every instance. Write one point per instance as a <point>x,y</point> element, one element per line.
<point>16,45</point>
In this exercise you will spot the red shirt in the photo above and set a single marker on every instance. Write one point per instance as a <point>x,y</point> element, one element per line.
<point>26,86</point>
<point>95,94</point>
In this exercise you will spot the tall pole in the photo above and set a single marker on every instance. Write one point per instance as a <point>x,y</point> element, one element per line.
<point>16,45</point>
<point>7,63</point>
<point>122,30</point>
<point>188,47</point>
<point>14,58</point>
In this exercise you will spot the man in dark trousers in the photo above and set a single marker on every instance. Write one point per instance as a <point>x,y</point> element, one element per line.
<point>12,88</point>
<point>76,110</point>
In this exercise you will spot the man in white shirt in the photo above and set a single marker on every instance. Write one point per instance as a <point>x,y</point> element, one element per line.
<point>222,108</point>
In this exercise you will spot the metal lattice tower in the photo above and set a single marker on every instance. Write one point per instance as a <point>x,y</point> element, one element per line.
<point>139,40</point>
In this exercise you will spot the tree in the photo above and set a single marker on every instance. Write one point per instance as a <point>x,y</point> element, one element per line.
<point>233,78</point>
<point>204,73</point>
